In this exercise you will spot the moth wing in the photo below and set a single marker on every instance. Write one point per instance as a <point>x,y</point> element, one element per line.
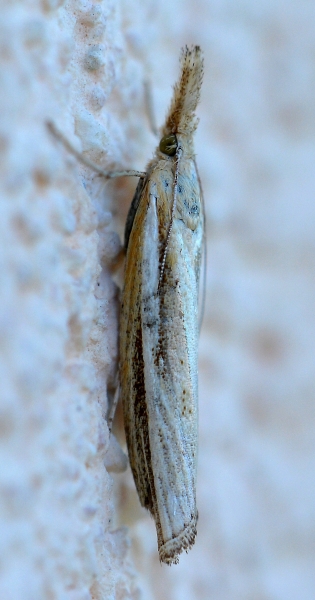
<point>203,258</point>
<point>158,345</point>
<point>170,340</point>
<point>140,266</point>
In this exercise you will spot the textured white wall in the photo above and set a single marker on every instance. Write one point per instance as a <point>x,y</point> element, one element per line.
<point>82,64</point>
<point>58,303</point>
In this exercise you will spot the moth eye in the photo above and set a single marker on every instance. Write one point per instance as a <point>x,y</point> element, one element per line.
<point>168,144</point>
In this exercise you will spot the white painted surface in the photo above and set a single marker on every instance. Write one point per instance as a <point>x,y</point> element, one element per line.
<point>82,65</point>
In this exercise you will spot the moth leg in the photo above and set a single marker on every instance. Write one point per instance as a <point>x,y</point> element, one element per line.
<point>115,460</point>
<point>112,409</point>
<point>148,99</point>
<point>89,163</point>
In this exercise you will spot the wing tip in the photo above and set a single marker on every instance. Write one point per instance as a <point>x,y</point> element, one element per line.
<point>170,550</point>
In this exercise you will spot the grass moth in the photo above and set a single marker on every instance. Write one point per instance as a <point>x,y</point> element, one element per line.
<point>159,325</point>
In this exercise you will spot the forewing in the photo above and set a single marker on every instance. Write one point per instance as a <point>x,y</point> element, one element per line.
<point>170,338</point>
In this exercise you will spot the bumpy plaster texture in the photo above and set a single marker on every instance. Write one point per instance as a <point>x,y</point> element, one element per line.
<point>81,64</point>
<point>59,306</point>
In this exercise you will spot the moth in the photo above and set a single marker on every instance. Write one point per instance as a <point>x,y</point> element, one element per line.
<point>159,323</point>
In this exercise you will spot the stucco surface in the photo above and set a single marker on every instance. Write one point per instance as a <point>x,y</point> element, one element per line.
<point>71,528</point>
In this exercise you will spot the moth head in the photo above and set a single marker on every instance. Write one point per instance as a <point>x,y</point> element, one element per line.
<point>168,144</point>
